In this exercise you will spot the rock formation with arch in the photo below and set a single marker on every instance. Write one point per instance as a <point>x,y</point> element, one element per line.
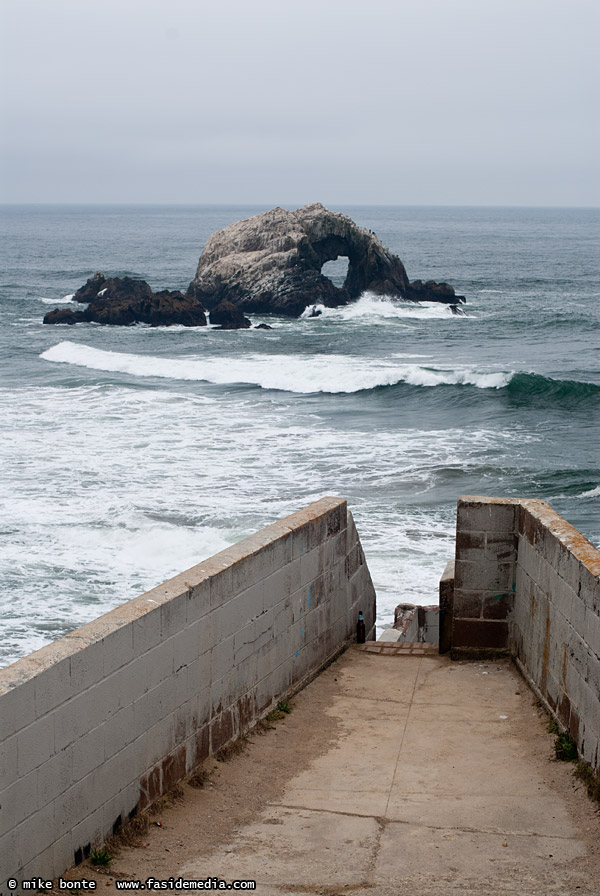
<point>271,263</point>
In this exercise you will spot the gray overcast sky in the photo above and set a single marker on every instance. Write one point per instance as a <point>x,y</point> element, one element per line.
<point>465,102</point>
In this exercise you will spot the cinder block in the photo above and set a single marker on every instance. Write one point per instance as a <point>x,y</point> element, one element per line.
<point>470,545</point>
<point>88,751</point>
<point>222,658</point>
<point>8,862</point>
<point>87,663</point>
<point>198,677</point>
<point>198,604</point>
<point>486,515</point>
<point>354,560</point>
<point>501,548</point>
<point>312,564</point>
<point>497,578</point>
<point>592,631</point>
<point>550,547</point>
<point>54,684</point>
<point>18,801</point>
<point>589,590</point>
<point>468,604</point>
<point>589,710</point>
<point>528,558</point>
<point>147,631</point>
<point>308,535</point>
<point>197,639</point>
<point>120,805</point>
<point>262,560</point>
<point>72,806</point>
<point>8,761</point>
<point>55,776</point>
<point>246,605</point>
<point>35,744</point>
<point>569,567</point>
<point>263,628</point>
<point>578,615</point>
<point>34,837</point>
<point>157,704</point>
<point>277,588</point>
<point>159,663</point>
<point>63,853</point>
<point>341,546</point>
<point>244,643</point>
<point>592,674</point>
<point>221,586</point>
<point>497,606</point>
<point>562,597</point>
<point>283,618</point>
<point>173,615</point>
<point>117,773</point>
<point>159,740</point>
<point>113,736</point>
<point>17,701</point>
<point>91,830</point>
<point>479,633</point>
<point>118,648</point>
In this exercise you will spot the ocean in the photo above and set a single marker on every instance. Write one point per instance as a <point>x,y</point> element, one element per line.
<point>128,454</point>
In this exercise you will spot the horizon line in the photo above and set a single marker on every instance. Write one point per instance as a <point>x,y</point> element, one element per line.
<point>138,204</point>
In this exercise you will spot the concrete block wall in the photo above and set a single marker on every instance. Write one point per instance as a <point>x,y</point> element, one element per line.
<point>96,726</point>
<point>528,583</point>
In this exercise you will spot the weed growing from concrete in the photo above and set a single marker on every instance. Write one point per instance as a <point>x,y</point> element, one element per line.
<point>565,748</point>
<point>101,858</point>
<point>199,778</point>
<point>233,749</point>
<point>283,708</point>
<point>583,772</point>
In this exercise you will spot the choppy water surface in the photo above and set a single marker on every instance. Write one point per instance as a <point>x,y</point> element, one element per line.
<point>128,454</point>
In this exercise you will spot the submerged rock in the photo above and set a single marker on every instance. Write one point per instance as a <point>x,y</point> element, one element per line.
<point>228,316</point>
<point>123,301</point>
<point>271,263</point>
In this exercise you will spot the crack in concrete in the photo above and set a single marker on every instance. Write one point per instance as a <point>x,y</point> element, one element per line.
<point>385,822</point>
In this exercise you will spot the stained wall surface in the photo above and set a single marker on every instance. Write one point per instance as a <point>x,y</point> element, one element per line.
<point>528,583</point>
<point>96,726</point>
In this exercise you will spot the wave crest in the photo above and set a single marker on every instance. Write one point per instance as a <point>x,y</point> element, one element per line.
<point>289,373</point>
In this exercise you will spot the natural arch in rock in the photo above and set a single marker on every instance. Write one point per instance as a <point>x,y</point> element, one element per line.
<point>273,261</point>
<point>336,270</point>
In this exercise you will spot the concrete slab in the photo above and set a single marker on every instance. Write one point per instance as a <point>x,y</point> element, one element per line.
<point>310,847</point>
<point>487,863</point>
<point>393,775</point>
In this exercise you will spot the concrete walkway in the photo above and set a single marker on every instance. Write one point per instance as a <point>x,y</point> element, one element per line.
<point>433,778</point>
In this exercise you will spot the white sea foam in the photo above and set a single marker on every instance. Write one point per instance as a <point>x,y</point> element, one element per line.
<point>66,300</point>
<point>114,489</point>
<point>372,306</point>
<point>593,493</point>
<point>289,373</point>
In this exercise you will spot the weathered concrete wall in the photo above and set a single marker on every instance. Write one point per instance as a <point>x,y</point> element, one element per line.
<point>97,725</point>
<point>528,583</point>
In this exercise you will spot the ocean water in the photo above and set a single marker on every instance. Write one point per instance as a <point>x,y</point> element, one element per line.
<point>128,454</point>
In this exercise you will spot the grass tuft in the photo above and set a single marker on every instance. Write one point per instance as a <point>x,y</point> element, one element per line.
<point>100,857</point>
<point>583,772</point>
<point>565,748</point>
<point>282,709</point>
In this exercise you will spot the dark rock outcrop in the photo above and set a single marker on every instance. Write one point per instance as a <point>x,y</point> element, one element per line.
<point>123,301</point>
<point>271,263</point>
<point>228,316</point>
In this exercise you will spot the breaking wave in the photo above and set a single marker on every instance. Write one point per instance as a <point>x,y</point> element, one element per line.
<point>288,373</point>
<point>66,300</point>
<point>372,306</point>
<point>318,373</point>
